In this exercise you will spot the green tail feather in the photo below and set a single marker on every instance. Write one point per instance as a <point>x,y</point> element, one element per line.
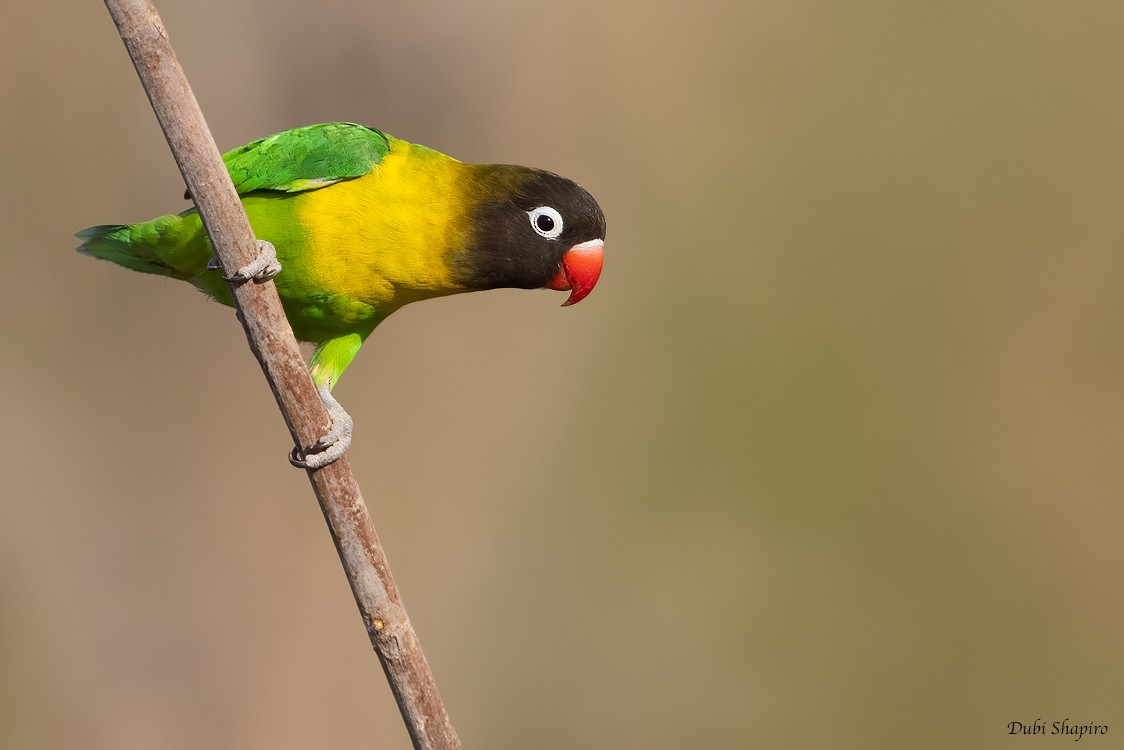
<point>167,246</point>
<point>113,242</point>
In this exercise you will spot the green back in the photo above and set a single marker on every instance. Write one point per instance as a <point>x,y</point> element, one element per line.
<point>306,158</point>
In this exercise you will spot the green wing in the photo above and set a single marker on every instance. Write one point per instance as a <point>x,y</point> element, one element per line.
<point>306,158</point>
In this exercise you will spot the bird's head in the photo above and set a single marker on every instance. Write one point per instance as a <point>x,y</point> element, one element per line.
<point>531,230</point>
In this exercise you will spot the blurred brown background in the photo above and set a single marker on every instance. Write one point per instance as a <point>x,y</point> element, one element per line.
<point>831,457</point>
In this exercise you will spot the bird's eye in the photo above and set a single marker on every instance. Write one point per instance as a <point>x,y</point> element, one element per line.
<point>546,221</point>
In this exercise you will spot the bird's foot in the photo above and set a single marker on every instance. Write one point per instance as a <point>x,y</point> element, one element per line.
<point>331,446</point>
<point>262,268</point>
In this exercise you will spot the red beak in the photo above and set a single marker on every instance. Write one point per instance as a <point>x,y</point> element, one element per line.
<point>581,267</point>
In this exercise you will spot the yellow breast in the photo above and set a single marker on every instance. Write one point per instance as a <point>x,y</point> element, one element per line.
<point>385,238</point>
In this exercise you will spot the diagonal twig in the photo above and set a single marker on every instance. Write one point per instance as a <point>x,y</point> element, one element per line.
<point>272,341</point>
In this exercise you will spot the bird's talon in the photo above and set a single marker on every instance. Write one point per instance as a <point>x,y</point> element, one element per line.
<point>296,460</point>
<point>332,445</point>
<point>311,459</point>
<point>308,461</point>
<point>316,456</point>
<point>261,269</point>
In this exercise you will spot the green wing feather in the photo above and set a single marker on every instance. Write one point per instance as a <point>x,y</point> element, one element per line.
<point>306,158</point>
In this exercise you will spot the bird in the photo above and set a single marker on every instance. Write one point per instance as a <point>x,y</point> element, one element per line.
<point>353,224</point>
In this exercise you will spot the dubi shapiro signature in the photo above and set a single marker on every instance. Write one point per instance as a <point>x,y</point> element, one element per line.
<point>1077,731</point>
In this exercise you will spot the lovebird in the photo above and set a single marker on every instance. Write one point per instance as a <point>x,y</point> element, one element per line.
<point>354,223</point>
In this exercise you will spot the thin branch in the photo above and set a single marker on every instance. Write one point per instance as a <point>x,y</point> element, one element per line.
<point>272,341</point>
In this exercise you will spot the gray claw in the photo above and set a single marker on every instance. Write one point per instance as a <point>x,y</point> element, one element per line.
<point>262,268</point>
<point>332,445</point>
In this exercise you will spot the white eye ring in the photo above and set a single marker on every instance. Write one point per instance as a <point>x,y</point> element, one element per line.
<point>546,221</point>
